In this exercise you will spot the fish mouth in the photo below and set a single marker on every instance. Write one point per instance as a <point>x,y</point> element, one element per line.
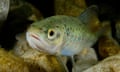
<point>36,42</point>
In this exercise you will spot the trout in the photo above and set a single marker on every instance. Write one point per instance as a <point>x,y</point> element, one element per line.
<point>65,35</point>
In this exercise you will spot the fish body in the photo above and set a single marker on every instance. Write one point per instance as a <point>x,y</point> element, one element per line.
<point>65,35</point>
<point>71,36</point>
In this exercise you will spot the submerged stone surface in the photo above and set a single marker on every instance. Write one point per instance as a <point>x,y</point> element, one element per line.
<point>108,46</point>
<point>69,7</point>
<point>85,59</point>
<point>11,63</point>
<point>110,64</point>
<point>4,9</point>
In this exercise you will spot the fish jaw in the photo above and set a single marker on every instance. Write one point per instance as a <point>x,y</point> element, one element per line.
<point>39,44</point>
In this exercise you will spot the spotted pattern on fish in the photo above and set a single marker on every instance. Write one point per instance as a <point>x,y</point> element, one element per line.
<point>74,34</point>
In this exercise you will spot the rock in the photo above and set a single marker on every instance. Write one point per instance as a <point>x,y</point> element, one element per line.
<point>23,9</point>
<point>21,15</point>
<point>37,61</point>
<point>11,63</point>
<point>4,8</point>
<point>110,64</point>
<point>117,27</point>
<point>69,7</point>
<point>85,59</point>
<point>108,46</point>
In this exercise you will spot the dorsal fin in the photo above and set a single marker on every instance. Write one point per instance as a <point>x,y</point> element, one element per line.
<point>90,18</point>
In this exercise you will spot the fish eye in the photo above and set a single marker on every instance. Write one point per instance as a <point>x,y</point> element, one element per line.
<point>51,34</point>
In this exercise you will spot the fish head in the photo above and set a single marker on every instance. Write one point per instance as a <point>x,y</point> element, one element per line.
<point>45,36</point>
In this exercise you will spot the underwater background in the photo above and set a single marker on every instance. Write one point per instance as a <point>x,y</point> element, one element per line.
<point>20,14</point>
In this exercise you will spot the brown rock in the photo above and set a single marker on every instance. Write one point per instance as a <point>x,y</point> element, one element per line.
<point>85,59</point>
<point>110,64</point>
<point>108,46</point>
<point>69,7</point>
<point>117,26</point>
<point>11,63</point>
<point>25,10</point>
